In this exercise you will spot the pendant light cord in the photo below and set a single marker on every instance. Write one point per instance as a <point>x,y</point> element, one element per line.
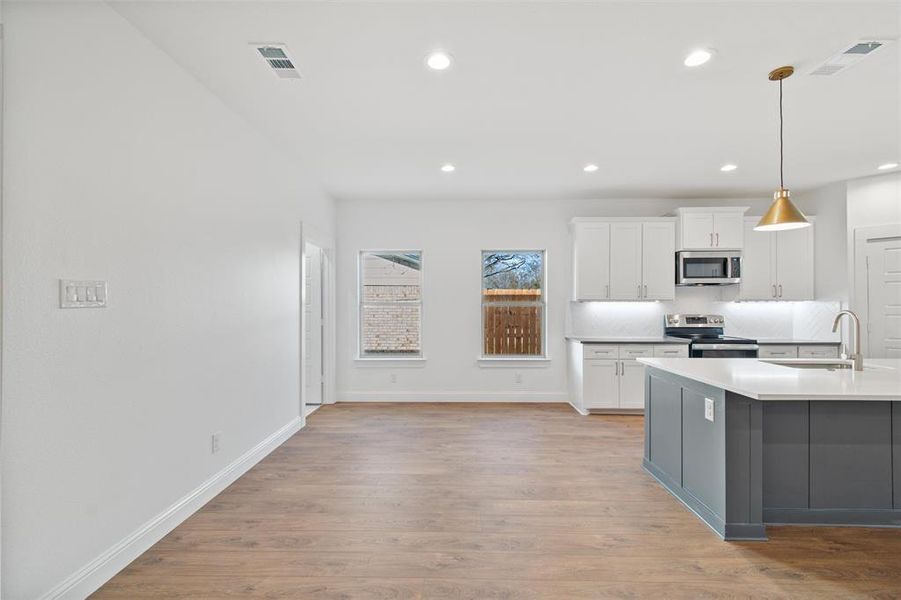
<point>781,157</point>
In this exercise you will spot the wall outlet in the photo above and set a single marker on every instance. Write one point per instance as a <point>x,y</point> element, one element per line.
<point>393,377</point>
<point>517,378</point>
<point>708,409</point>
<point>216,442</point>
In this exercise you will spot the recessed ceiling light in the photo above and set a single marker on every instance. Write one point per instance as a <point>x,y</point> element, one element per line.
<point>698,57</point>
<point>727,168</point>
<point>448,168</point>
<point>438,61</point>
<point>887,166</point>
<point>590,168</point>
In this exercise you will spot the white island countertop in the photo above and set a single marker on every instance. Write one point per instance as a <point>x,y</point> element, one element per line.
<point>880,379</point>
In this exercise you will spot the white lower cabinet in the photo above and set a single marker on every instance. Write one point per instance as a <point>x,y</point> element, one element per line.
<point>600,383</point>
<point>777,351</point>
<point>824,351</point>
<point>799,351</point>
<point>611,377</point>
<point>631,384</point>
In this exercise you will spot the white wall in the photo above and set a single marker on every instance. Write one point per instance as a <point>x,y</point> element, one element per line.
<point>120,166</point>
<point>451,235</point>
<point>871,201</point>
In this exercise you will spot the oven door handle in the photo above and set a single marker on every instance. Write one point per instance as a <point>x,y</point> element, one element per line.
<point>725,347</point>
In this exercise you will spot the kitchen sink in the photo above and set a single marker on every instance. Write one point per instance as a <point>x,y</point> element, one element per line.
<point>823,364</point>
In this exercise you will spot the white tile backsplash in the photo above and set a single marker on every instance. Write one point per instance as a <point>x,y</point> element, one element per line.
<point>782,320</point>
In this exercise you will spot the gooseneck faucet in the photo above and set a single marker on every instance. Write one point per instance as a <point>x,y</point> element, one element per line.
<point>856,355</point>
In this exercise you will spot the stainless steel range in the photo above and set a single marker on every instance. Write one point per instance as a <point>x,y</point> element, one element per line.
<point>707,339</point>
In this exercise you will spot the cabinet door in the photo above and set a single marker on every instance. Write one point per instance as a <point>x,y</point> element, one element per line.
<point>728,230</point>
<point>794,264</point>
<point>818,351</point>
<point>625,261</point>
<point>631,384</point>
<point>757,262</point>
<point>658,260</point>
<point>777,351</point>
<point>599,383</point>
<point>591,258</point>
<point>696,231</point>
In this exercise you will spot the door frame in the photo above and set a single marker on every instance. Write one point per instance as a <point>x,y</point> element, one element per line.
<point>325,242</point>
<point>859,300</point>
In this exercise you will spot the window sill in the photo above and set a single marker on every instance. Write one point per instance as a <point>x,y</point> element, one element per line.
<point>513,362</point>
<point>390,361</point>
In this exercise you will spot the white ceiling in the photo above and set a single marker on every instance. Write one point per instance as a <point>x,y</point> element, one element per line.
<point>539,89</point>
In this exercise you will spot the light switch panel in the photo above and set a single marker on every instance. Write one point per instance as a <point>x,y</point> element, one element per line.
<point>82,294</point>
<point>708,409</point>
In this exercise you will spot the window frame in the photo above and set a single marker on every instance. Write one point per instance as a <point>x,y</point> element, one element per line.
<point>508,358</point>
<point>362,356</point>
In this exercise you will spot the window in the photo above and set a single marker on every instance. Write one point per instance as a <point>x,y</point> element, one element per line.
<point>513,303</point>
<point>390,304</point>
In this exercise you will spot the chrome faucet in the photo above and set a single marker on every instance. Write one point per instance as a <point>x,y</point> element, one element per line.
<point>856,355</point>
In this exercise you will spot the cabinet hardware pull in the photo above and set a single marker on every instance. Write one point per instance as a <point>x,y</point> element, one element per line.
<point>717,240</point>
<point>780,290</point>
<point>774,290</point>
<point>639,290</point>
<point>711,240</point>
<point>645,291</point>
<point>607,290</point>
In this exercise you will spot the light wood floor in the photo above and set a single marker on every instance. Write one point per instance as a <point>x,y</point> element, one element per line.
<point>483,501</point>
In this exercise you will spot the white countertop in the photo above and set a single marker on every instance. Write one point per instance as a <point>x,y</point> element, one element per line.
<point>880,379</point>
<point>587,339</point>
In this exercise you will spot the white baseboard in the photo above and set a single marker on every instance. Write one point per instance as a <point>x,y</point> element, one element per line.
<point>452,396</point>
<point>89,578</point>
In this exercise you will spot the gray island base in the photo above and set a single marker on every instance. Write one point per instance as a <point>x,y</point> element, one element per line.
<point>750,462</point>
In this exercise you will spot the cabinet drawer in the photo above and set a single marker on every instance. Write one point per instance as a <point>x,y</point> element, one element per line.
<point>636,351</point>
<point>671,351</point>
<point>778,352</point>
<point>600,351</point>
<point>818,351</point>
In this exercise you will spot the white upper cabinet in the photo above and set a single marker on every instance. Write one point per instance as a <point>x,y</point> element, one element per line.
<point>697,230</point>
<point>710,228</point>
<point>728,230</point>
<point>794,264</point>
<point>777,265</point>
<point>591,264</point>
<point>658,266</point>
<point>757,264</point>
<point>624,259</point>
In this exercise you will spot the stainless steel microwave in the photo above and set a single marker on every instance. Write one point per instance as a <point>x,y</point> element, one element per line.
<point>708,267</point>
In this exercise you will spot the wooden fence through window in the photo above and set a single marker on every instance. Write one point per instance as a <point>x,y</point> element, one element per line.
<point>512,329</point>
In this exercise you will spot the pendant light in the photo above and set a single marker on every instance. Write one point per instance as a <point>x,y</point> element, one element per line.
<point>782,214</point>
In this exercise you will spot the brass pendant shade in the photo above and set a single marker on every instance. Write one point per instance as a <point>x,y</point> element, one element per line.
<point>782,214</point>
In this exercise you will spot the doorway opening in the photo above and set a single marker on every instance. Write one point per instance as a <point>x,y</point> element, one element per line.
<point>315,286</point>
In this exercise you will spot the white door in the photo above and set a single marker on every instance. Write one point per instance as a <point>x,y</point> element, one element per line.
<point>794,264</point>
<point>697,231</point>
<point>313,324</point>
<point>591,270</point>
<point>625,261</point>
<point>758,281</point>
<point>728,230</point>
<point>599,383</point>
<point>878,289</point>
<point>631,384</point>
<point>658,260</point>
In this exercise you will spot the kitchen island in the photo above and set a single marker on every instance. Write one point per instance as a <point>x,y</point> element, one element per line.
<point>744,442</point>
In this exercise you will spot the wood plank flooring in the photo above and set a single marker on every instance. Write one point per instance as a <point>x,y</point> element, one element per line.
<point>398,501</point>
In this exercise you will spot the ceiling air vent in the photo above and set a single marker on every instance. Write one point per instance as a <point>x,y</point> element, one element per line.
<point>276,56</point>
<point>848,57</point>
